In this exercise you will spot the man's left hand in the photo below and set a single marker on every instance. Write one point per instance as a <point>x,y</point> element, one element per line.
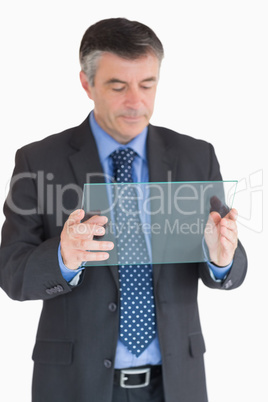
<point>221,237</point>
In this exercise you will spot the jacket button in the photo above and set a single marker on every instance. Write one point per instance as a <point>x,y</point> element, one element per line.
<point>228,284</point>
<point>107,363</point>
<point>112,307</point>
<point>49,291</point>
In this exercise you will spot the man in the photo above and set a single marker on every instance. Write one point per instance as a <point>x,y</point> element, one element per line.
<point>80,352</point>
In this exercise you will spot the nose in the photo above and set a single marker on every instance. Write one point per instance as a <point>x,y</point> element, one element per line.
<point>133,97</point>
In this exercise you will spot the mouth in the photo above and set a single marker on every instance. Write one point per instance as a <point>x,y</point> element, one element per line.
<point>131,118</point>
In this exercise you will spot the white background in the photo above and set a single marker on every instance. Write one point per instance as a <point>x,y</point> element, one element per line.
<point>213,86</point>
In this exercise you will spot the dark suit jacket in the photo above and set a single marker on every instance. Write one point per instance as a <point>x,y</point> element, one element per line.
<point>78,329</point>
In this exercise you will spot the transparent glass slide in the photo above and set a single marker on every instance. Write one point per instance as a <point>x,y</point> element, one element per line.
<point>173,216</point>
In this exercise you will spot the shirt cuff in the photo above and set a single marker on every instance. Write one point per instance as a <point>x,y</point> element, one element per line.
<point>219,273</point>
<point>216,273</point>
<point>68,274</point>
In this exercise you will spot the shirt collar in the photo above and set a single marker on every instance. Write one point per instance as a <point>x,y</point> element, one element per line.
<point>107,144</point>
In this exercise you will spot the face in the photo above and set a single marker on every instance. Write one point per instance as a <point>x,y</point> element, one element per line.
<point>124,94</point>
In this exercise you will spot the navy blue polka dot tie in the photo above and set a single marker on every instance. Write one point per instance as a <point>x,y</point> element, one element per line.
<point>137,308</point>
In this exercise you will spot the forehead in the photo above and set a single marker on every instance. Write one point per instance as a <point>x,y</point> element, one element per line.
<point>112,66</point>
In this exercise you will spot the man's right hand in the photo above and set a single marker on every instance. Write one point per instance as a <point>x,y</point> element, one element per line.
<point>77,244</point>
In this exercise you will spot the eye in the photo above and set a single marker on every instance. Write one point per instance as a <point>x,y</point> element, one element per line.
<point>118,88</point>
<point>146,86</point>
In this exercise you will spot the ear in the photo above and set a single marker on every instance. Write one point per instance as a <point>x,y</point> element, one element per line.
<point>85,83</point>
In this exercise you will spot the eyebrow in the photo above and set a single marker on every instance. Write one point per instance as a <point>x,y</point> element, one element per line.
<point>118,81</point>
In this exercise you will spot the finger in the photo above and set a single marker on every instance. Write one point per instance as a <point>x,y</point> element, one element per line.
<point>229,238</point>
<point>228,246</point>
<point>92,226</point>
<point>92,256</point>
<point>78,215</point>
<point>227,252</point>
<point>229,224</point>
<point>97,256</point>
<point>233,214</point>
<point>229,235</point>
<point>85,231</point>
<point>214,217</point>
<point>100,220</point>
<point>93,245</point>
<point>97,223</point>
<point>75,217</point>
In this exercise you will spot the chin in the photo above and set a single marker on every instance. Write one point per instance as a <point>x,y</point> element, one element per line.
<point>134,128</point>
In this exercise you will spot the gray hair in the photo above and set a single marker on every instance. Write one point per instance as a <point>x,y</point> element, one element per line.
<point>89,65</point>
<point>127,39</point>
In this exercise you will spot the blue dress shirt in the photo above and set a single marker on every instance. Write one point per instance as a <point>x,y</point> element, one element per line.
<point>106,145</point>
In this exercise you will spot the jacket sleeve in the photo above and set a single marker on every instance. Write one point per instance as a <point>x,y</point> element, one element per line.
<point>29,267</point>
<point>238,270</point>
<point>235,276</point>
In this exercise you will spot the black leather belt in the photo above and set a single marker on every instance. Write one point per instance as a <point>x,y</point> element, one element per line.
<point>137,377</point>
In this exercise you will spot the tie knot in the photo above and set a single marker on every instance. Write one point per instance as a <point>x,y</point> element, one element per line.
<point>123,156</point>
<point>122,160</point>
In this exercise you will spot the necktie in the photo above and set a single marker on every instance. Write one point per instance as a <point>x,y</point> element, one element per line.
<point>137,309</point>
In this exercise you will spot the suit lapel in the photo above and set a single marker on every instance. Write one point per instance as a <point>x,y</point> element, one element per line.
<point>162,165</point>
<point>85,160</point>
<point>86,165</point>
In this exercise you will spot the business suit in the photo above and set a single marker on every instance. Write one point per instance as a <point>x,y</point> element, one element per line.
<point>78,329</point>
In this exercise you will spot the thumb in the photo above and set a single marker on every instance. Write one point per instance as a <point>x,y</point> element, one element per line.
<point>76,216</point>
<point>215,218</point>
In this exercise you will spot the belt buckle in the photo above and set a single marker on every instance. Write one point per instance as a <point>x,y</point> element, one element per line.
<point>125,373</point>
